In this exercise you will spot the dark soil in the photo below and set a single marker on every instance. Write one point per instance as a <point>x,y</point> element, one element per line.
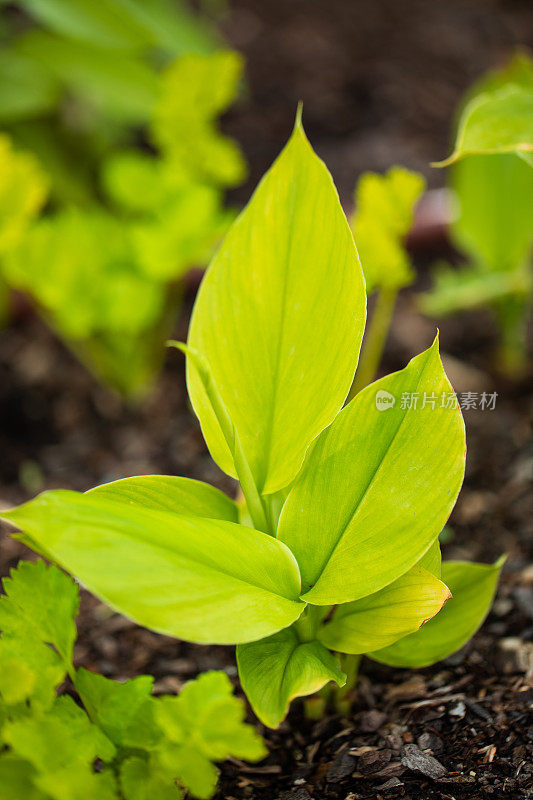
<point>379,83</point>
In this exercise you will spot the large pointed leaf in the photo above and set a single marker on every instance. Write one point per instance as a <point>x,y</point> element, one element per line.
<point>279,319</point>
<point>495,233</point>
<point>496,122</point>
<point>386,616</point>
<point>378,485</point>
<point>171,493</point>
<point>200,579</point>
<point>473,587</point>
<point>275,670</point>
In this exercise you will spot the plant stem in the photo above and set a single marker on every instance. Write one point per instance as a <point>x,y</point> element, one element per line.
<point>512,357</point>
<point>342,696</point>
<point>307,625</point>
<point>374,340</point>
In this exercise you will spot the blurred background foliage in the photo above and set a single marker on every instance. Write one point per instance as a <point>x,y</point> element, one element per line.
<point>493,229</point>
<point>113,171</point>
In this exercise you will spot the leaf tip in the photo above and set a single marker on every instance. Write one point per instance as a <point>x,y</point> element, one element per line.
<point>298,120</point>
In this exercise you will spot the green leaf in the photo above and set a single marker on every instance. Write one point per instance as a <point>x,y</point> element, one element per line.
<point>26,89</point>
<point>471,287</point>
<point>29,670</point>
<point>473,587</point>
<point>124,711</point>
<point>495,122</point>
<point>194,91</point>
<point>118,86</point>
<point>16,779</point>
<point>384,617</point>
<point>275,670</point>
<point>146,779</point>
<point>378,485</point>
<point>384,214</point>
<point>199,579</point>
<point>290,309</point>
<point>36,738</point>
<point>432,560</point>
<point>42,602</point>
<point>207,714</point>
<point>170,493</point>
<point>128,25</point>
<point>495,233</point>
<point>23,190</point>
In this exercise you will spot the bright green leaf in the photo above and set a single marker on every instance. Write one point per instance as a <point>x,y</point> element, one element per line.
<point>290,309</point>
<point>378,485</point>
<point>495,233</point>
<point>61,737</point>
<point>124,711</point>
<point>145,779</point>
<point>194,91</point>
<point>495,122</point>
<point>171,493</point>
<point>16,780</point>
<point>199,579</point>
<point>207,713</point>
<point>432,559</point>
<point>29,669</point>
<point>42,602</point>
<point>23,190</point>
<point>275,670</point>
<point>384,214</point>
<point>384,617</point>
<point>473,587</point>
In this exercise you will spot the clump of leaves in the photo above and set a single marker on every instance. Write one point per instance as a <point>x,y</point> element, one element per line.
<point>492,177</point>
<point>79,78</point>
<point>384,214</point>
<point>107,278</point>
<point>119,742</point>
<point>336,549</point>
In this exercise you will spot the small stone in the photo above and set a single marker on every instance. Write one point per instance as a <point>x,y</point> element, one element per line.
<point>457,710</point>
<point>373,761</point>
<point>341,767</point>
<point>393,783</point>
<point>370,721</point>
<point>417,761</point>
<point>428,741</point>
<point>299,794</point>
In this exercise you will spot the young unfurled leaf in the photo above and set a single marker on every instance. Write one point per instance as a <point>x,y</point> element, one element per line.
<point>472,587</point>
<point>124,711</point>
<point>279,319</point>
<point>41,602</point>
<point>496,122</point>
<point>203,580</point>
<point>275,670</point>
<point>171,493</point>
<point>382,618</point>
<point>378,485</point>
<point>383,218</point>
